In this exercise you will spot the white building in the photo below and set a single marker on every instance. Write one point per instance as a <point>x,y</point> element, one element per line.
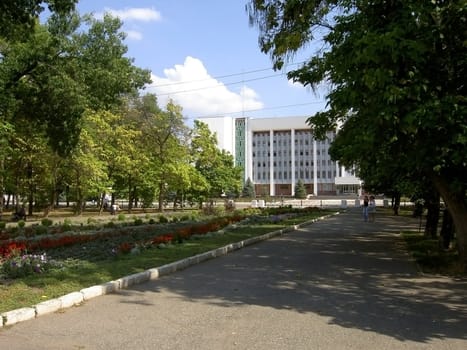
<point>277,152</point>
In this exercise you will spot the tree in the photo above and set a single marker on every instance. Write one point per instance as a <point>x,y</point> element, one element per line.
<point>396,70</point>
<point>58,71</point>
<point>300,190</point>
<point>18,17</point>
<point>217,166</point>
<point>165,137</point>
<point>249,189</point>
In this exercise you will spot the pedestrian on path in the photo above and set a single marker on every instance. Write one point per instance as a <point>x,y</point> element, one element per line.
<point>365,208</point>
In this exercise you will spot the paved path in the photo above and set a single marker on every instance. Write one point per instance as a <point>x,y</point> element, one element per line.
<point>336,284</point>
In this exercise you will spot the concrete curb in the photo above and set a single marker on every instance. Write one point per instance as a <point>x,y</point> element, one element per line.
<point>10,318</point>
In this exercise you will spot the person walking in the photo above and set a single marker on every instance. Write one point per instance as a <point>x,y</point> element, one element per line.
<point>365,208</point>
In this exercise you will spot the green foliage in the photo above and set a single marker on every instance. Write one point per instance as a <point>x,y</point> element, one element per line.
<point>163,219</point>
<point>138,221</point>
<point>249,189</point>
<point>430,255</point>
<point>2,225</point>
<point>41,229</point>
<point>47,222</point>
<point>215,165</point>
<point>300,190</point>
<point>121,217</point>
<point>397,86</point>
<point>21,223</point>
<point>19,265</point>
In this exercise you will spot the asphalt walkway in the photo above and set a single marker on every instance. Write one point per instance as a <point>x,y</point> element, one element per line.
<point>339,283</point>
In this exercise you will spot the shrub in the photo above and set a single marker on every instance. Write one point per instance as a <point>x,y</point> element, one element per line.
<point>151,221</point>
<point>40,229</point>
<point>20,265</point>
<point>185,217</point>
<point>46,222</point>
<point>2,225</point>
<point>121,217</point>
<point>163,219</point>
<point>109,224</point>
<point>21,223</point>
<point>138,221</point>
<point>67,225</point>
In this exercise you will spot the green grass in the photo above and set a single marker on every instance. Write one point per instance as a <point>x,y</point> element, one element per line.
<point>78,273</point>
<point>431,257</point>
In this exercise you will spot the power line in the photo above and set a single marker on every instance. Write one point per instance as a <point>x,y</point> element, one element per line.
<point>217,85</point>
<point>224,76</point>
<point>257,109</point>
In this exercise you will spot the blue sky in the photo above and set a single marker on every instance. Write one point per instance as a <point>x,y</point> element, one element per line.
<point>204,55</point>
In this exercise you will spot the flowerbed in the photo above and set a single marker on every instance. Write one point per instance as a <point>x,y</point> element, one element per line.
<point>106,243</point>
<point>101,244</point>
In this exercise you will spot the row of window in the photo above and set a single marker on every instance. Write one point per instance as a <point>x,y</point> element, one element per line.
<point>285,153</point>
<point>297,163</point>
<point>299,174</point>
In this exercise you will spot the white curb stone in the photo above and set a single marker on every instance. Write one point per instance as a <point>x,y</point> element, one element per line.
<point>71,299</point>
<point>134,279</point>
<point>92,292</point>
<point>110,287</point>
<point>48,306</point>
<point>153,273</point>
<point>18,315</point>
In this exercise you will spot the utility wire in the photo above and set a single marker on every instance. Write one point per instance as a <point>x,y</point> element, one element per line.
<point>215,86</point>
<point>225,76</point>
<point>257,109</point>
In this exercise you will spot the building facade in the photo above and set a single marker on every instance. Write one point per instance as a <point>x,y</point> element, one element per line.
<point>276,153</point>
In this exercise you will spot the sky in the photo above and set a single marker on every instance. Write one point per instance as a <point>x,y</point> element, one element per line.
<point>204,55</point>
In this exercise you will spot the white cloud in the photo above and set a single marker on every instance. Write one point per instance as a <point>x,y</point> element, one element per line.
<point>191,86</point>
<point>134,35</point>
<point>136,14</point>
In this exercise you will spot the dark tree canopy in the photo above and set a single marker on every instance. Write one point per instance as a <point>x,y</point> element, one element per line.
<point>396,75</point>
<point>17,17</point>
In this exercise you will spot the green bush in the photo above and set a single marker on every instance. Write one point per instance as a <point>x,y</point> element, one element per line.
<point>138,221</point>
<point>109,224</point>
<point>185,217</point>
<point>21,223</point>
<point>46,222</point>
<point>163,219</point>
<point>40,229</point>
<point>2,225</point>
<point>121,217</point>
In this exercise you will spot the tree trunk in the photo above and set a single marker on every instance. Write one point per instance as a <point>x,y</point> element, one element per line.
<point>396,203</point>
<point>2,164</point>
<point>130,194</point>
<point>447,229</point>
<point>458,208</point>
<point>161,197</point>
<point>30,190</point>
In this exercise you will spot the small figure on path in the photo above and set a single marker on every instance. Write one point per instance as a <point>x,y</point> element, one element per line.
<point>365,208</point>
<point>20,214</point>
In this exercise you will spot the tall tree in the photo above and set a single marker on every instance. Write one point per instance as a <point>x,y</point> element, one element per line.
<point>396,70</point>
<point>165,140</point>
<point>217,166</point>
<point>54,74</point>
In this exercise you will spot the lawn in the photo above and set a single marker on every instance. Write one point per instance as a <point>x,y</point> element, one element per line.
<point>91,262</point>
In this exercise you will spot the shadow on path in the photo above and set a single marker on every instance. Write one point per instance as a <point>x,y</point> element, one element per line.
<point>356,274</point>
